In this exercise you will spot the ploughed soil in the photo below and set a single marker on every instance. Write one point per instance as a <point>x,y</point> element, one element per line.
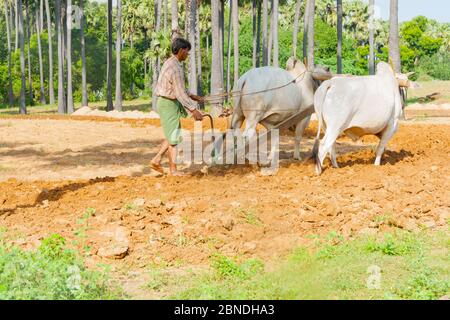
<point>88,180</point>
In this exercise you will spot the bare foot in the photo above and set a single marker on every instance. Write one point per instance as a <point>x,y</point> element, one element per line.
<point>157,167</point>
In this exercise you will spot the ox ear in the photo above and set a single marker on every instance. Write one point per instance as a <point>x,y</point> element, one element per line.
<point>290,64</point>
<point>409,74</point>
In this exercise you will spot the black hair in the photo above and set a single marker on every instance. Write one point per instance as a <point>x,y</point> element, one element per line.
<point>180,43</point>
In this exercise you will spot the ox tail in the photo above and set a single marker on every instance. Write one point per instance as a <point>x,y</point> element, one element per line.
<point>319,99</point>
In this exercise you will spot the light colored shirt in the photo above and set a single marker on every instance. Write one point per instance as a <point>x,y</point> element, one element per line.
<point>171,84</point>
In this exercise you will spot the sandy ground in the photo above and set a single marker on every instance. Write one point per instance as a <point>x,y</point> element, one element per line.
<point>52,170</point>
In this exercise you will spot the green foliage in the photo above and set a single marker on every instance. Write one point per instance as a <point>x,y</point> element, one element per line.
<point>225,267</point>
<point>394,245</point>
<point>50,272</point>
<point>437,66</point>
<point>423,43</point>
<point>412,267</point>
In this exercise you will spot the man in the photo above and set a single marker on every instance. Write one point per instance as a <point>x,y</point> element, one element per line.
<point>173,101</point>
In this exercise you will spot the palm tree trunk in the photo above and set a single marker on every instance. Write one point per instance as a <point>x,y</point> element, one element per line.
<point>165,5</point>
<point>216,72</point>
<point>70,107</point>
<point>59,31</point>
<point>305,30</point>
<point>295,31</point>
<point>50,54</point>
<point>222,34</point>
<point>155,71</point>
<point>264,32</point>
<point>174,16</point>
<point>311,15</point>
<point>118,102</point>
<point>371,38</point>
<point>275,33</point>
<point>84,94</point>
<point>254,16</point>
<point>236,40</point>
<point>270,41</point>
<point>16,6</point>
<point>28,28</point>
<point>23,108</point>
<point>199,55</point>
<point>7,21</point>
<point>394,48</point>
<point>192,18</point>
<point>41,14</point>
<point>230,27</point>
<point>109,102</point>
<point>258,36</point>
<point>339,36</point>
<point>41,67</point>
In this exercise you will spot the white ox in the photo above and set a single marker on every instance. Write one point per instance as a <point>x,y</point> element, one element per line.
<point>270,95</point>
<point>357,106</point>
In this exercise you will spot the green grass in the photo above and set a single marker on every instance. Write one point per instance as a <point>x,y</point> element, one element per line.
<point>410,267</point>
<point>51,272</point>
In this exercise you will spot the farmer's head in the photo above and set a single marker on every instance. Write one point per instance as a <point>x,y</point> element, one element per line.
<point>181,48</point>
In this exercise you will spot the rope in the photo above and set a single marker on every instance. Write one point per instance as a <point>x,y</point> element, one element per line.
<point>238,93</point>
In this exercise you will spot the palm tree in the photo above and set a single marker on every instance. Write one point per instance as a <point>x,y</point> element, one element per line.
<point>59,31</point>
<point>274,28</point>
<point>109,102</point>
<point>298,5</point>
<point>50,54</point>
<point>10,92</point>
<point>84,95</point>
<point>70,107</point>
<point>230,28</point>
<point>191,20</point>
<point>41,67</point>
<point>175,27</point>
<point>216,68</point>
<point>41,14</point>
<point>394,48</point>
<point>235,19</point>
<point>264,32</point>
<point>310,36</point>
<point>118,104</point>
<point>198,53</point>
<point>16,20</point>
<point>339,36</point>
<point>23,108</point>
<point>258,37</point>
<point>305,30</point>
<point>156,63</point>
<point>28,28</point>
<point>254,16</point>
<point>371,38</point>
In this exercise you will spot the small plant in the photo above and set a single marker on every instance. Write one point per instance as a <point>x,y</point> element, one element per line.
<point>393,246</point>
<point>424,285</point>
<point>250,217</point>
<point>228,268</point>
<point>51,272</point>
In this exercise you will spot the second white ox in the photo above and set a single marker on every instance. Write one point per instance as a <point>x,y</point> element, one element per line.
<point>270,95</point>
<point>357,106</point>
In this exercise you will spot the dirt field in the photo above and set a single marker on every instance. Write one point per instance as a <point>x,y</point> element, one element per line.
<point>87,179</point>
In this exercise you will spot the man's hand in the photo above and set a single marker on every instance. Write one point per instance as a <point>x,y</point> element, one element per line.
<point>197,98</point>
<point>198,116</point>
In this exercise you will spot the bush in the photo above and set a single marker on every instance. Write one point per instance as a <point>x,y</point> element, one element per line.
<point>437,66</point>
<point>51,272</point>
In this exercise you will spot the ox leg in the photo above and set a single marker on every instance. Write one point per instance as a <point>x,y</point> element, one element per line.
<point>385,137</point>
<point>299,130</point>
<point>325,147</point>
<point>333,156</point>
